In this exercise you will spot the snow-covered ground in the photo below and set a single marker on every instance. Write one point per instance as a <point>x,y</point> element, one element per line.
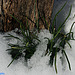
<point>38,64</point>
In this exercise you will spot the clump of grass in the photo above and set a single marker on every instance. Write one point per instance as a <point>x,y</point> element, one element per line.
<point>64,38</point>
<point>28,44</point>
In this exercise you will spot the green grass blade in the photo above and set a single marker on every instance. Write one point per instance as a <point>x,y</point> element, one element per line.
<point>38,20</point>
<point>55,60</point>
<point>13,60</point>
<point>47,38</point>
<point>17,48</point>
<point>18,21</point>
<point>68,44</point>
<point>30,19</point>
<point>61,25</point>
<point>71,33</point>
<point>72,26</point>
<point>45,22</point>
<point>67,59</point>
<point>72,36</point>
<point>51,47</point>
<point>27,44</point>
<point>57,15</point>
<point>56,34</point>
<point>15,18</point>
<point>8,49</point>
<point>27,24</point>
<point>35,10</point>
<point>22,31</point>
<point>13,37</point>
<point>13,45</point>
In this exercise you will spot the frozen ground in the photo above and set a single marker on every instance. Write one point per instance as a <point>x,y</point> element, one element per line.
<point>38,65</point>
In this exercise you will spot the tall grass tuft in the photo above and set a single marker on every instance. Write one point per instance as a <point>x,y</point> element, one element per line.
<point>52,50</point>
<point>28,44</point>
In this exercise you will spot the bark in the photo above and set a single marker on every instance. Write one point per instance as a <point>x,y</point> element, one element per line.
<point>23,10</point>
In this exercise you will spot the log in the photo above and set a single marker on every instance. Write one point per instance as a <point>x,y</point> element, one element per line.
<point>23,10</point>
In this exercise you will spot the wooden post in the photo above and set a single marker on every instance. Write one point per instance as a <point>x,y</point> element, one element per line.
<point>1,15</point>
<point>22,9</point>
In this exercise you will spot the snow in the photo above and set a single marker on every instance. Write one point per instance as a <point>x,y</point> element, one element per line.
<point>38,64</point>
